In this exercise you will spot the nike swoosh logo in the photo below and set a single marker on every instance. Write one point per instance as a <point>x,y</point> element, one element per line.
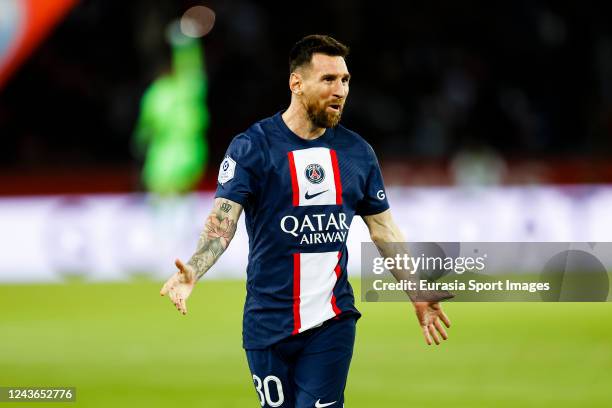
<point>308,197</point>
<point>319,405</point>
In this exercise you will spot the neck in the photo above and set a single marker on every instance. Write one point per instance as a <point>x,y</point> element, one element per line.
<point>296,119</point>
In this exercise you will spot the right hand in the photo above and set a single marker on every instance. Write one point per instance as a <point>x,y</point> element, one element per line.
<point>180,285</point>
<point>429,315</point>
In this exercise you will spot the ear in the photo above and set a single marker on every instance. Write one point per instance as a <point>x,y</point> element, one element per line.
<point>295,83</point>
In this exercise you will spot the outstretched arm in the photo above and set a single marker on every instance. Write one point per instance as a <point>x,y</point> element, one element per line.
<point>389,240</point>
<point>218,231</point>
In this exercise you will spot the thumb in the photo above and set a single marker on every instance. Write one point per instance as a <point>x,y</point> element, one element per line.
<point>185,270</point>
<point>179,264</point>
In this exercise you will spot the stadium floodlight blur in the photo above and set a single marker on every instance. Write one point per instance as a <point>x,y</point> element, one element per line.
<point>23,25</point>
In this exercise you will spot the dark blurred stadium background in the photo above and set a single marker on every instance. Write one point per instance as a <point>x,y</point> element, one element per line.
<point>526,82</point>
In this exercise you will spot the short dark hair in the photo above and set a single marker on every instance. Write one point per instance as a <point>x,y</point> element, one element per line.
<point>301,53</point>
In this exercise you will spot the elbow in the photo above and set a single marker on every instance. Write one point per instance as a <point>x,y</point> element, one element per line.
<point>377,238</point>
<point>386,235</point>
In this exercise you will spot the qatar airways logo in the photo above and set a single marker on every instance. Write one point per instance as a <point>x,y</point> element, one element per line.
<point>316,228</point>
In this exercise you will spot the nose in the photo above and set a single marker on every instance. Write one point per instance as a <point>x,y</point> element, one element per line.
<point>340,89</point>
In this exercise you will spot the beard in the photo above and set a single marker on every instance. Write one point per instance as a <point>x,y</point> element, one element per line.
<point>320,117</point>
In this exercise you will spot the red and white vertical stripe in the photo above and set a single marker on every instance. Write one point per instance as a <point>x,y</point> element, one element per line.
<point>314,278</point>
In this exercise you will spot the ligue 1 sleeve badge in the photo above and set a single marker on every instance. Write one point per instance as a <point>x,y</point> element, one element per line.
<point>226,170</point>
<point>315,173</point>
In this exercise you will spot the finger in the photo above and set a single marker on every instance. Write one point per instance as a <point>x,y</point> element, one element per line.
<point>426,334</point>
<point>444,318</point>
<point>179,305</point>
<point>440,329</point>
<point>433,333</point>
<point>167,286</point>
<point>184,306</point>
<point>179,264</point>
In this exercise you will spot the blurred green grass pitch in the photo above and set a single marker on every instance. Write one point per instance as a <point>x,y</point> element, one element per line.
<point>122,345</point>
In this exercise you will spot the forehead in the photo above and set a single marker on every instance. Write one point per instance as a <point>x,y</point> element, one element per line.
<point>322,64</point>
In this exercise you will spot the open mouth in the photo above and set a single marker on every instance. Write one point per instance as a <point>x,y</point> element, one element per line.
<point>335,107</point>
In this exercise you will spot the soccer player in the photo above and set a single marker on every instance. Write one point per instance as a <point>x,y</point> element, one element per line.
<point>300,178</point>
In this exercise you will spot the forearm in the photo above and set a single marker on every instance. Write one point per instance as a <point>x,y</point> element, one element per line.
<point>390,243</point>
<point>218,232</point>
<point>388,239</point>
<point>386,235</point>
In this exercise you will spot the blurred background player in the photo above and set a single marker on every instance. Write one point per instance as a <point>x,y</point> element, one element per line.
<point>171,129</point>
<point>171,135</point>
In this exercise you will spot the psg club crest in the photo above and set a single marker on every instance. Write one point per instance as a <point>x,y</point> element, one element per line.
<point>315,173</point>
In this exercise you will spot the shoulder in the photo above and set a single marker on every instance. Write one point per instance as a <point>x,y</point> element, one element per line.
<point>251,144</point>
<point>250,137</point>
<point>256,134</point>
<point>356,142</point>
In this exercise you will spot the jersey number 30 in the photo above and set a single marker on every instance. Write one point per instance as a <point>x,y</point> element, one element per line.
<point>263,389</point>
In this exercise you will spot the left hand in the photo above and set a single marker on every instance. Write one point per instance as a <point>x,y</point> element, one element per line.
<point>429,315</point>
<point>180,285</point>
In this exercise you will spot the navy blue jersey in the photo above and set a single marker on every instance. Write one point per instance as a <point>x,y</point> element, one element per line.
<point>299,198</point>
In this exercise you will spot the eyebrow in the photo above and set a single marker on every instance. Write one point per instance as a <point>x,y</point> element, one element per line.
<point>344,76</point>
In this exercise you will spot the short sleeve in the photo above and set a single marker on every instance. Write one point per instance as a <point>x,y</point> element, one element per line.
<point>237,179</point>
<point>374,200</point>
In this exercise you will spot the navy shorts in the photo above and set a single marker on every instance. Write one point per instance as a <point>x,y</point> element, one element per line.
<point>308,370</point>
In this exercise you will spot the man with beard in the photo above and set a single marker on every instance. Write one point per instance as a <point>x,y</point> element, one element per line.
<point>300,178</point>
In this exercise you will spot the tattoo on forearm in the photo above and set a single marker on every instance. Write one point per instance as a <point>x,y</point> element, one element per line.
<point>214,239</point>
<point>226,207</point>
